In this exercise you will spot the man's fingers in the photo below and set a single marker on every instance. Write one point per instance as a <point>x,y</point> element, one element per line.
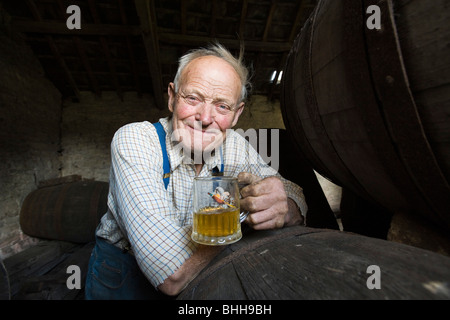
<point>254,204</point>
<point>247,178</point>
<point>264,220</point>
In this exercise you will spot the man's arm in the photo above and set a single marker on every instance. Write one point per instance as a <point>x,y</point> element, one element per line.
<point>175,283</point>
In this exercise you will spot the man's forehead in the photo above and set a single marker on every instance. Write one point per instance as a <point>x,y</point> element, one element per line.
<point>206,63</point>
<point>209,72</point>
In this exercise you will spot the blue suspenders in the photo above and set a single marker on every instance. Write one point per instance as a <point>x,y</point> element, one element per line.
<point>162,141</point>
<point>166,165</point>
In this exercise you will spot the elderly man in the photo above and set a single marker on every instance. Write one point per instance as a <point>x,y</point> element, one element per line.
<point>143,248</point>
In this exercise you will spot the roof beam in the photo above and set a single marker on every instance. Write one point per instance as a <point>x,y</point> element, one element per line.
<point>243,17</point>
<point>189,40</point>
<point>106,52</point>
<point>212,23</point>
<point>299,19</point>
<point>151,43</point>
<point>130,50</point>
<point>35,12</point>
<point>88,29</point>
<point>82,53</point>
<point>269,20</point>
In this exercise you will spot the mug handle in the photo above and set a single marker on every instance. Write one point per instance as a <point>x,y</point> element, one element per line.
<point>243,216</point>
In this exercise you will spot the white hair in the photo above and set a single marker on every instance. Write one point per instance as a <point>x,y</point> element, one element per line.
<point>220,51</point>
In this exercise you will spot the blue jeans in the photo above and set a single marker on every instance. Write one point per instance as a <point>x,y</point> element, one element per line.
<point>115,275</point>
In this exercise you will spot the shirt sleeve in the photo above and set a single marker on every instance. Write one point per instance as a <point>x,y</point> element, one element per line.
<point>143,206</point>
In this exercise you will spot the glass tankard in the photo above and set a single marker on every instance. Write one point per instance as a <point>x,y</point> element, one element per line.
<point>216,211</point>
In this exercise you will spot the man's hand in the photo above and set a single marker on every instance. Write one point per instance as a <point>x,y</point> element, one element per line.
<point>267,202</point>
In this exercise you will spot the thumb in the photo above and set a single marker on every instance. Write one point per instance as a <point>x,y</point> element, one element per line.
<point>245,178</point>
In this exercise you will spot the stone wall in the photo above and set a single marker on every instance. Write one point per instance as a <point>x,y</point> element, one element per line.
<point>30,115</point>
<point>88,127</point>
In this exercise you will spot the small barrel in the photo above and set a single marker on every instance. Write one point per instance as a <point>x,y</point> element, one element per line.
<point>305,263</point>
<point>67,212</point>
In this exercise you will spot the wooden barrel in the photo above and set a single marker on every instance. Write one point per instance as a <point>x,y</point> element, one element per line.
<point>371,108</point>
<point>305,263</point>
<point>67,212</point>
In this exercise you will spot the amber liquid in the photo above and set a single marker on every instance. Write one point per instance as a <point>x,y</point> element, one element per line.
<point>216,222</point>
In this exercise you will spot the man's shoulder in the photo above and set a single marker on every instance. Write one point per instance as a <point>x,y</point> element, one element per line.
<point>135,133</point>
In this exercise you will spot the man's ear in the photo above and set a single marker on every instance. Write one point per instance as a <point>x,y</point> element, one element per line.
<point>172,96</point>
<point>238,113</point>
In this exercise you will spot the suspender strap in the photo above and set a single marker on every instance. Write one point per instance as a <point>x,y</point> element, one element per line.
<point>215,171</point>
<point>162,140</point>
<point>166,165</point>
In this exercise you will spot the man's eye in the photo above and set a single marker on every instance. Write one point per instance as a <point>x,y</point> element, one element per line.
<point>192,98</point>
<point>223,108</point>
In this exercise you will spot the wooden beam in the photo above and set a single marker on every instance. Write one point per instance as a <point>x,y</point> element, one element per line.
<point>269,20</point>
<point>212,31</point>
<point>106,52</point>
<point>60,28</point>
<point>35,12</point>
<point>82,53</point>
<point>130,51</point>
<point>243,17</point>
<point>183,16</point>
<point>148,28</point>
<point>87,66</point>
<point>298,20</point>
<point>194,41</point>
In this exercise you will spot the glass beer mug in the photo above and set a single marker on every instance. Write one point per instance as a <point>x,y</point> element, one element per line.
<point>216,211</point>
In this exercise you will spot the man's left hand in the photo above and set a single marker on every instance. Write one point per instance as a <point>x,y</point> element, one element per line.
<point>265,199</point>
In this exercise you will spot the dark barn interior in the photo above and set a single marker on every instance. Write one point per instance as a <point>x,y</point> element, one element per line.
<point>363,112</point>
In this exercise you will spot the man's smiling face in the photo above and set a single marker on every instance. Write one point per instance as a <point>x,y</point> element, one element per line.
<point>206,105</point>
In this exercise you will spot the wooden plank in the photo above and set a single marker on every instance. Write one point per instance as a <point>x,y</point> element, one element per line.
<point>195,41</point>
<point>301,15</point>
<point>243,19</point>
<point>151,43</point>
<point>35,261</point>
<point>5,290</point>
<point>273,7</point>
<point>106,52</point>
<point>34,10</point>
<point>134,69</point>
<point>53,284</point>
<point>212,32</point>
<point>87,29</point>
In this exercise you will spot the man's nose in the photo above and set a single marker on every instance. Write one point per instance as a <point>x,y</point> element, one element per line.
<point>205,114</point>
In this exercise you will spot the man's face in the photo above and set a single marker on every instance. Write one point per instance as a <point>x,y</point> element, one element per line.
<point>206,104</point>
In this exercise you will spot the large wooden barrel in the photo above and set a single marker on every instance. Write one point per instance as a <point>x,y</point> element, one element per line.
<point>371,108</point>
<point>305,263</point>
<point>67,212</point>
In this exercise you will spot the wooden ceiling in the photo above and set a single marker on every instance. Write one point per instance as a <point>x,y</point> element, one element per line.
<point>126,45</point>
